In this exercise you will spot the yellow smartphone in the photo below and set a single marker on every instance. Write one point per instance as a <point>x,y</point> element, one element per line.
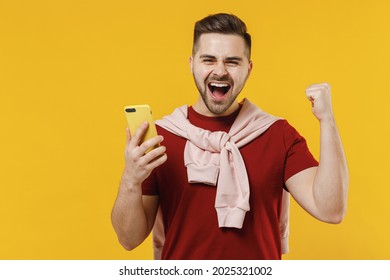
<point>135,116</point>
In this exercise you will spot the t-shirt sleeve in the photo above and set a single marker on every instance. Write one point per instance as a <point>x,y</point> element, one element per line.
<point>298,156</point>
<point>149,186</point>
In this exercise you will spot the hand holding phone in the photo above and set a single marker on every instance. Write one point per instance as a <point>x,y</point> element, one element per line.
<point>141,160</point>
<point>136,115</point>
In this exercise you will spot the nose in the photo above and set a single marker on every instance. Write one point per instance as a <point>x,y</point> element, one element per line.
<point>220,69</point>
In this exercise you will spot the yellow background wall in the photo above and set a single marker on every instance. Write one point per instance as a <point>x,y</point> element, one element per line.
<point>67,69</point>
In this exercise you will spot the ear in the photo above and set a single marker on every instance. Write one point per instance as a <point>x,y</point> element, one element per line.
<point>191,61</point>
<point>250,66</point>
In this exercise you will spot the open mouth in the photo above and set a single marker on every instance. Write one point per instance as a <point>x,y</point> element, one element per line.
<point>219,90</point>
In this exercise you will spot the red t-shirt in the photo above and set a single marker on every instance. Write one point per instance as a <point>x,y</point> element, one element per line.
<point>190,219</point>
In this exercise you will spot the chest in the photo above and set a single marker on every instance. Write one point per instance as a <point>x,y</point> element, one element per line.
<point>264,160</point>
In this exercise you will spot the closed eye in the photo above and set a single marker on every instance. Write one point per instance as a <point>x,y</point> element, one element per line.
<point>232,63</point>
<point>208,59</point>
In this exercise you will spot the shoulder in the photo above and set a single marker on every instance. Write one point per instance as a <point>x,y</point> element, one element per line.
<point>286,132</point>
<point>282,127</point>
<point>165,133</point>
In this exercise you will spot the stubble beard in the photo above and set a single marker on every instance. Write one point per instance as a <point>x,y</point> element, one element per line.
<point>215,107</point>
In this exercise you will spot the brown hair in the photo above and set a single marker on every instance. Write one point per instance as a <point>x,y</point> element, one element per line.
<point>224,24</point>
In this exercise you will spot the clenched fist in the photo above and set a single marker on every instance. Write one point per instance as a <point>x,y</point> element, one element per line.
<point>321,101</point>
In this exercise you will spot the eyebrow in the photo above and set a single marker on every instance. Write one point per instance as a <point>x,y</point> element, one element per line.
<point>207,56</point>
<point>234,58</point>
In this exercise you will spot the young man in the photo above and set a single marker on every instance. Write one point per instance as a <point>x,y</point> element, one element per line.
<point>220,173</point>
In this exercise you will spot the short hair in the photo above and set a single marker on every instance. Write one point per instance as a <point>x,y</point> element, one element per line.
<point>223,24</point>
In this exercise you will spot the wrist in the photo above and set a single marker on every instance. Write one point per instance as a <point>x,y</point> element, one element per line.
<point>328,123</point>
<point>327,119</point>
<point>129,184</point>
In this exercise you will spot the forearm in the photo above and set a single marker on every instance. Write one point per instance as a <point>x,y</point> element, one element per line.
<point>133,215</point>
<point>330,187</point>
<point>128,215</point>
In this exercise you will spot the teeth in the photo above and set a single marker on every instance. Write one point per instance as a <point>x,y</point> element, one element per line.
<point>218,85</point>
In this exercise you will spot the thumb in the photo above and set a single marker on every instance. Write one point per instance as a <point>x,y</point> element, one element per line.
<point>128,136</point>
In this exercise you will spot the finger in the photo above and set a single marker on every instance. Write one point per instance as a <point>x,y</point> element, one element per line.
<point>319,87</point>
<point>315,90</point>
<point>319,93</point>
<point>152,142</point>
<point>311,99</point>
<point>325,85</point>
<point>158,161</point>
<point>128,136</point>
<point>151,160</point>
<point>312,92</point>
<point>139,134</point>
<point>154,154</point>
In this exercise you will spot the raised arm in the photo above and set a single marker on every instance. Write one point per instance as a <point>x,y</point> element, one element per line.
<point>133,214</point>
<point>323,191</point>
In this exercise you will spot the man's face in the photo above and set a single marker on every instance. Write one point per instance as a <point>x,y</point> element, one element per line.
<point>220,67</point>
